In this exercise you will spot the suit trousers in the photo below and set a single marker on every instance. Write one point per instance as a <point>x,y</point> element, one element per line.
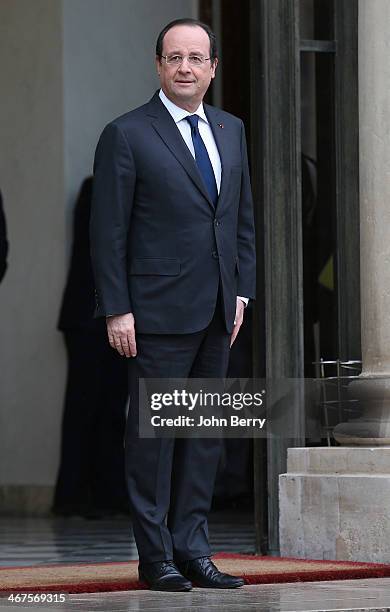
<point>170,481</point>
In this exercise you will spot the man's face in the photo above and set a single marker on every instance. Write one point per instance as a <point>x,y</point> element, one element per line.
<point>185,84</point>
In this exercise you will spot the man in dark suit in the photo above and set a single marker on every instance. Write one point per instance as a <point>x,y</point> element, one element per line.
<point>172,242</point>
<point>3,241</point>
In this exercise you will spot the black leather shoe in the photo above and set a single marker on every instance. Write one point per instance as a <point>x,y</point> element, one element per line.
<point>203,573</point>
<point>163,576</point>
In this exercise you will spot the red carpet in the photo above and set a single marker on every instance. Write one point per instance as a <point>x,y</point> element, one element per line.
<point>95,577</point>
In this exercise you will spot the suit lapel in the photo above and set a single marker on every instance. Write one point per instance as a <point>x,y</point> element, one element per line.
<point>170,134</point>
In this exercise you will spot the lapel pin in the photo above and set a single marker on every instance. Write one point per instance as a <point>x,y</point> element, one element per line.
<point>220,125</point>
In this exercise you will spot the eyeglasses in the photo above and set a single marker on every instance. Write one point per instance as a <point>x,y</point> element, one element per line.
<point>193,60</point>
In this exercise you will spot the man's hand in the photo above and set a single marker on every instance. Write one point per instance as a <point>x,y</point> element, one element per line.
<point>238,319</point>
<point>121,334</point>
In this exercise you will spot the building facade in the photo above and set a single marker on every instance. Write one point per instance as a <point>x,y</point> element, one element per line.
<point>309,78</point>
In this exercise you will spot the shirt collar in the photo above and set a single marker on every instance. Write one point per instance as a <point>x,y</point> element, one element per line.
<point>178,114</point>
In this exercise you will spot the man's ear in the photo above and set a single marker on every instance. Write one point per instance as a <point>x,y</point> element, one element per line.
<point>158,64</point>
<point>214,67</point>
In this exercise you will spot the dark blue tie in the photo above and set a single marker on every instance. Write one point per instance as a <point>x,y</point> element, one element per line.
<point>202,159</point>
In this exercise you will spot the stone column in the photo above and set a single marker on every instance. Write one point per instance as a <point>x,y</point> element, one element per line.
<point>373,386</point>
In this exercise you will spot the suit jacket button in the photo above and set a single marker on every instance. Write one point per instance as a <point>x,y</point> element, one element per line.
<point>215,254</point>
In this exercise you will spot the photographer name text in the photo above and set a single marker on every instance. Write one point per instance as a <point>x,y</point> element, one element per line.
<point>213,421</point>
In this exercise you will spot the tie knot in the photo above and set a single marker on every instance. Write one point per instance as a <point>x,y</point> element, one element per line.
<point>193,120</point>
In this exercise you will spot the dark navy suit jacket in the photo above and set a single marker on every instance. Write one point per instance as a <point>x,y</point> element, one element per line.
<point>159,247</point>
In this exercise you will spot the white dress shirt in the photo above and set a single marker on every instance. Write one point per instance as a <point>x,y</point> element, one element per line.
<point>179,116</point>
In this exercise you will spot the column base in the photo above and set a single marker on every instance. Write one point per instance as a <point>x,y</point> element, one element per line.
<point>335,504</point>
<point>373,428</point>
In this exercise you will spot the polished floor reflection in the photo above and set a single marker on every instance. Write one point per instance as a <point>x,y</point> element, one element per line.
<point>40,541</point>
<point>347,595</point>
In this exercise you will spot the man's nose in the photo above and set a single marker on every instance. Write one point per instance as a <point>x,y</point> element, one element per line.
<point>185,65</point>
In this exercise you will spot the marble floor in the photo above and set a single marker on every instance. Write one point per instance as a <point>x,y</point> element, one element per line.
<point>346,595</point>
<point>40,541</point>
<point>76,540</point>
